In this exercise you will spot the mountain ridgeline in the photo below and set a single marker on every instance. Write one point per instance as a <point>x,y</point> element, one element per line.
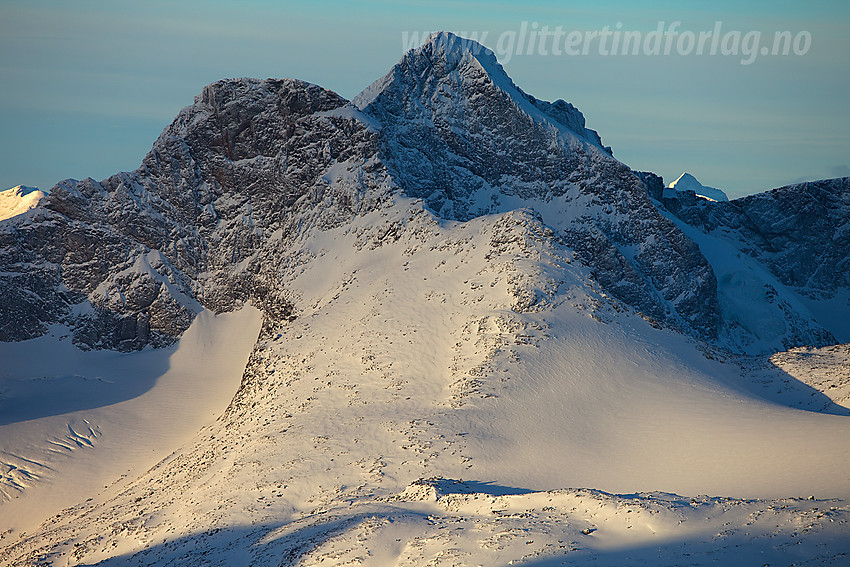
<point>214,215</point>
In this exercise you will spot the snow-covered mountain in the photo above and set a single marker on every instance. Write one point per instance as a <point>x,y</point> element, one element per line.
<point>687,182</point>
<point>468,306</point>
<point>254,163</point>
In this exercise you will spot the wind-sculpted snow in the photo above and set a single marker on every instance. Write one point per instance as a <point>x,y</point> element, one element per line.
<point>426,351</point>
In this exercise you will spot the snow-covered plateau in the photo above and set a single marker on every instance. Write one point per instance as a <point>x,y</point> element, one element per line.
<point>438,325</point>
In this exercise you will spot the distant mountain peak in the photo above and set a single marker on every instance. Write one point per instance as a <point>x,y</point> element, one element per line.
<point>687,182</point>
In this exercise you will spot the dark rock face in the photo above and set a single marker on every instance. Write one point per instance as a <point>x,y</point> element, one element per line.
<point>654,184</point>
<point>800,232</point>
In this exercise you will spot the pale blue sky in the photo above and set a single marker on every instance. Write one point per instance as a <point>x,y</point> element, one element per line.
<point>88,85</point>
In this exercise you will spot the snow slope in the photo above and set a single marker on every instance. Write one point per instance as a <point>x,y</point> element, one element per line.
<point>74,423</point>
<point>482,352</point>
<point>18,200</point>
<point>815,379</point>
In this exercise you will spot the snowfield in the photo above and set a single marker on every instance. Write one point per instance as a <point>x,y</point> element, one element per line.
<point>434,402</point>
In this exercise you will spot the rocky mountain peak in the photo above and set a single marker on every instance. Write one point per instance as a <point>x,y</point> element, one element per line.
<point>451,70</point>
